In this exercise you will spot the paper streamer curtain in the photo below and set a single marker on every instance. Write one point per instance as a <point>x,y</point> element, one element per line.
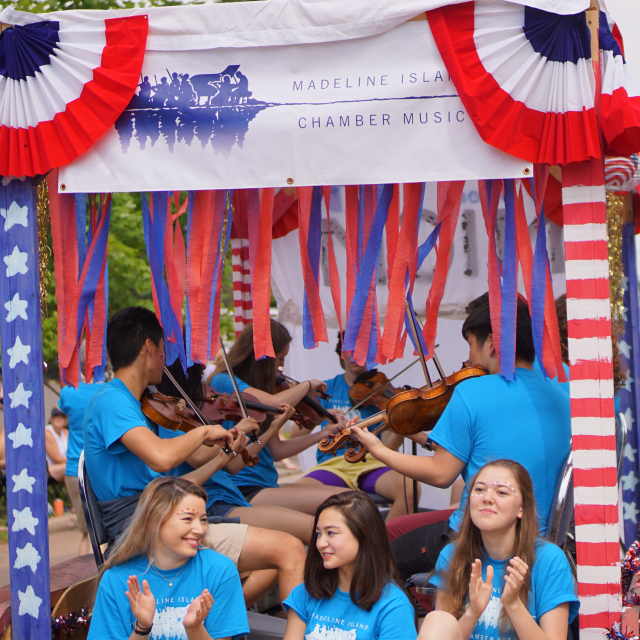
<point>63,86</point>
<point>81,272</point>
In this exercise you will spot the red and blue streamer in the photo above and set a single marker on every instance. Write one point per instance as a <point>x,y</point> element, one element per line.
<point>206,232</point>
<point>508,311</point>
<point>314,328</point>
<point>361,332</point>
<point>81,271</point>
<point>154,218</point>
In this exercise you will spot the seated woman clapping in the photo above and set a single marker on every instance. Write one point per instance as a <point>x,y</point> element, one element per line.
<point>498,578</point>
<point>350,588</point>
<point>163,580</point>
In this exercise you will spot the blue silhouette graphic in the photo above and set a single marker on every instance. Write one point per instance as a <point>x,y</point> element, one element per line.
<point>215,108</point>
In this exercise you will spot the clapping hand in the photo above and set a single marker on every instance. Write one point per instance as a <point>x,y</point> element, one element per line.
<point>479,591</point>
<point>198,610</point>
<point>142,602</point>
<point>513,581</point>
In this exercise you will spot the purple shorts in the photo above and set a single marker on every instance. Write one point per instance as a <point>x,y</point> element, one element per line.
<point>366,482</point>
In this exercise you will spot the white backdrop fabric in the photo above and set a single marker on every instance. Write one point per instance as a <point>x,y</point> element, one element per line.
<point>467,277</point>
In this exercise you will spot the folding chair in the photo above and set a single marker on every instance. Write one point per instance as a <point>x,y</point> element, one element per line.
<point>97,533</point>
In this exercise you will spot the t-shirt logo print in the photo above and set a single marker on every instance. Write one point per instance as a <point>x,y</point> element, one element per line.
<point>490,617</point>
<point>334,633</point>
<point>167,624</point>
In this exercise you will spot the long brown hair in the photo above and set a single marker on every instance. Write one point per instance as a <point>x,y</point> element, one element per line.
<point>469,543</point>
<point>155,506</point>
<point>259,374</point>
<point>375,565</point>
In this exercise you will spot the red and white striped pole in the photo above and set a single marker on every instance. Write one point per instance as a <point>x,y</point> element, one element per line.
<point>592,403</point>
<point>242,306</point>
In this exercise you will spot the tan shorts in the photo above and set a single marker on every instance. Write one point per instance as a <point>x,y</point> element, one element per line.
<point>73,487</point>
<point>228,539</point>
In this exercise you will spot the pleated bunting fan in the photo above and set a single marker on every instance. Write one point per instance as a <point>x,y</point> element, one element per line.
<point>62,86</point>
<point>620,101</point>
<point>524,76</point>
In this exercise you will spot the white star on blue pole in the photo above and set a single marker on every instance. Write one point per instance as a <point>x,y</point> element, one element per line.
<point>29,602</point>
<point>20,397</point>
<point>18,353</point>
<point>16,262</point>
<point>625,348</point>
<point>630,453</point>
<point>28,556</point>
<point>629,482</point>
<point>627,385</point>
<point>630,512</point>
<point>24,520</point>
<point>23,481</point>
<point>15,215</point>
<point>21,436</point>
<point>16,308</point>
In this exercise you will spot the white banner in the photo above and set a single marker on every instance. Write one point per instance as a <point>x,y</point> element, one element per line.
<point>379,109</point>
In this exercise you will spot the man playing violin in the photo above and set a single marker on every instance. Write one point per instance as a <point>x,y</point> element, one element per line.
<point>123,453</point>
<point>527,420</point>
<point>370,476</point>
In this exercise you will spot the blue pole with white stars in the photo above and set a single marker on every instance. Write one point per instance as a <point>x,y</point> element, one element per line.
<point>23,386</point>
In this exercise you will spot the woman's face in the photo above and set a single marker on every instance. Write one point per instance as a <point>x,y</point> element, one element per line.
<point>181,533</point>
<point>495,500</point>
<point>280,356</point>
<point>334,540</point>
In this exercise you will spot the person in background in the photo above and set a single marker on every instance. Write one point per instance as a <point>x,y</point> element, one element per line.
<point>74,403</point>
<point>370,476</point>
<point>498,579</point>
<point>164,580</point>
<point>259,484</point>
<point>351,586</point>
<point>56,437</point>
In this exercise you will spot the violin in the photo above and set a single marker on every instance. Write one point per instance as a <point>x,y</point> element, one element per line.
<point>407,413</point>
<point>372,388</point>
<point>173,413</point>
<point>309,412</point>
<point>222,406</point>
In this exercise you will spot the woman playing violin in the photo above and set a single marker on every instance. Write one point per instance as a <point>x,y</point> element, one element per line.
<point>259,484</point>
<point>370,476</point>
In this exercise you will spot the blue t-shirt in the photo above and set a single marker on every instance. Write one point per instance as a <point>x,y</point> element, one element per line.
<point>339,390</point>
<point>563,385</point>
<point>112,617</point>
<point>74,403</point>
<point>114,471</point>
<point>264,474</point>
<point>391,618</point>
<point>527,420</point>
<point>219,486</point>
<point>551,586</point>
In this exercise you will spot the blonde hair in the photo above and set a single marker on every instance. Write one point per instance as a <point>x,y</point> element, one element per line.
<point>155,506</point>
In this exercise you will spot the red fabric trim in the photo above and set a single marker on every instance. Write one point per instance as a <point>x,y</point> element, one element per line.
<point>586,589</point>
<point>592,250</point>
<point>449,201</point>
<point>589,514</point>
<point>502,122</point>
<point>620,122</point>
<point>603,478</point>
<point>54,143</point>
<point>334,274</point>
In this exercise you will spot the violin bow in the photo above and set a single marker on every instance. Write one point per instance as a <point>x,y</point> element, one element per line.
<point>193,407</point>
<point>379,389</point>
<point>234,384</point>
<point>435,356</point>
<point>414,331</point>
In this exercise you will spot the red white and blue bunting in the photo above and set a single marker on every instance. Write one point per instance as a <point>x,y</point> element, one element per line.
<point>524,76</point>
<point>62,86</point>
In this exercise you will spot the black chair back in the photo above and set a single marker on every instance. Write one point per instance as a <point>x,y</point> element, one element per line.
<point>97,533</point>
<point>561,513</point>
